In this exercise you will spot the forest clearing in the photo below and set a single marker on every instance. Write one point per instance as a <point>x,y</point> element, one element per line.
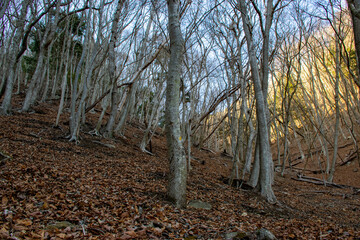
<point>180,119</point>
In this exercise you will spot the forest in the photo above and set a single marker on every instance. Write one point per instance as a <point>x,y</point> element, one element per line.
<point>179,119</point>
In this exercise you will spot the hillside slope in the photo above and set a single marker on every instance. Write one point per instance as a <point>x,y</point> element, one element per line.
<point>108,189</point>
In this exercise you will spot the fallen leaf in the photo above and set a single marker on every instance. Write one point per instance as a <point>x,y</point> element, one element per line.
<point>125,237</point>
<point>25,222</point>
<point>4,233</point>
<point>61,235</point>
<point>45,206</point>
<point>4,200</point>
<point>131,233</point>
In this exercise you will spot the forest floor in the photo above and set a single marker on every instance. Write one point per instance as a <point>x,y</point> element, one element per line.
<point>101,188</point>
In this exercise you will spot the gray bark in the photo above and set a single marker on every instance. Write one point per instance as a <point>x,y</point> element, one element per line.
<point>254,177</point>
<point>13,61</point>
<point>176,153</point>
<point>3,6</point>
<point>131,96</point>
<point>152,120</point>
<point>354,6</point>
<point>90,64</point>
<point>260,87</point>
<point>249,146</point>
<point>112,69</point>
<point>337,110</point>
<point>37,78</point>
<point>66,57</point>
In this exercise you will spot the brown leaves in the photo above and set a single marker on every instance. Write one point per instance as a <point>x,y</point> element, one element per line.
<point>4,201</point>
<point>53,189</point>
<point>25,222</point>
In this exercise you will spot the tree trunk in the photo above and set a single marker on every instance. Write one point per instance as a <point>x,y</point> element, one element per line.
<point>354,6</point>
<point>140,61</point>
<point>112,70</point>
<point>3,7</point>
<point>337,110</point>
<point>6,104</point>
<point>266,171</point>
<point>176,153</point>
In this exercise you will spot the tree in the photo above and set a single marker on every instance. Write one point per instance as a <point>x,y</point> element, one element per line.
<point>354,6</point>
<point>112,68</point>
<point>20,23</point>
<point>260,80</point>
<point>3,6</point>
<point>176,153</point>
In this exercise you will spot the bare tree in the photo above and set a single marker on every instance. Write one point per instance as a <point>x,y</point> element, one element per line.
<point>176,153</point>
<point>112,69</point>
<point>6,104</point>
<point>354,6</point>
<point>260,81</point>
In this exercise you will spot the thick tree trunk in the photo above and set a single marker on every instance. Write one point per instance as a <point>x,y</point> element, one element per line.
<point>354,6</point>
<point>176,153</point>
<point>3,6</point>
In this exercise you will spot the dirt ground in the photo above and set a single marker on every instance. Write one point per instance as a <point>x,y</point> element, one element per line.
<point>101,188</point>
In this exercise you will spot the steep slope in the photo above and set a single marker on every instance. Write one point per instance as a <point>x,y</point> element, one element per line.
<point>108,189</point>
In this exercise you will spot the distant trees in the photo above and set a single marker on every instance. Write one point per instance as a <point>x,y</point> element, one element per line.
<point>238,76</point>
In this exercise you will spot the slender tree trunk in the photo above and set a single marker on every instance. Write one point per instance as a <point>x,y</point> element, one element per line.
<point>153,116</point>
<point>6,104</point>
<point>337,110</point>
<point>112,70</point>
<point>266,171</point>
<point>176,153</point>
<point>255,172</point>
<point>131,96</point>
<point>298,142</point>
<point>66,60</point>
<point>47,83</point>
<point>35,81</point>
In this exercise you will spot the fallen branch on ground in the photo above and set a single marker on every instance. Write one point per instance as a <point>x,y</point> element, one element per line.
<point>318,181</point>
<point>351,156</point>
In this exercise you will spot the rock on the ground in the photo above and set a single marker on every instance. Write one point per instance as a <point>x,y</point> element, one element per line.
<point>59,225</point>
<point>236,235</point>
<point>264,234</point>
<point>199,204</point>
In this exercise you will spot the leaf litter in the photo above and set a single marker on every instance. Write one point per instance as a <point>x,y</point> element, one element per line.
<point>53,189</point>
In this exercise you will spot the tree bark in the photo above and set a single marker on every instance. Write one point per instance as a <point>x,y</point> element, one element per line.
<point>266,171</point>
<point>6,104</point>
<point>112,70</point>
<point>3,6</point>
<point>354,6</point>
<point>176,153</point>
<point>337,110</point>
